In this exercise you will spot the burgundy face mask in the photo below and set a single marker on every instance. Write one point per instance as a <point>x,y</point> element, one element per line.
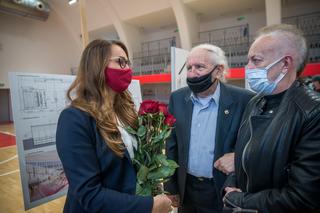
<point>118,79</point>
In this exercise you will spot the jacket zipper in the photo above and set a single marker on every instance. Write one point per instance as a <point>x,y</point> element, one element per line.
<point>244,210</point>
<point>243,155</point>
<point>230,203</point>
<point>237,208</point>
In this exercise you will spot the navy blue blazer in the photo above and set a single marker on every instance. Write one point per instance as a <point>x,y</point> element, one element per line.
<point>232,103</point>
<point>99,180</point>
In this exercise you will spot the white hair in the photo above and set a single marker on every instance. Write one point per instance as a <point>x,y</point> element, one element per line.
<point>295,42</point>
<point>217,56</point>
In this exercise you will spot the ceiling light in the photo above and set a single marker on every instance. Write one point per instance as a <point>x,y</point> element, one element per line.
<point>72,2</point>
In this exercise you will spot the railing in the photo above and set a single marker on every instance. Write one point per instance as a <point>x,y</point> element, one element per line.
<point>233,40</point>
<point>147,65</point>
<point>156,47</point>
<point>227,36</point>
<point>154,58</point>
<point>310,26</point>
<point>236,55</point>
<point>308,23</point>
<point>153,52</point>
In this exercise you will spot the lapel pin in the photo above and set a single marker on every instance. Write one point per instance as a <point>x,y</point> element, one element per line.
<point>226,112</point>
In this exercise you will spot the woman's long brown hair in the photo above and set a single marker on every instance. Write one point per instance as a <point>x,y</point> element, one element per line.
<point>93,96</point>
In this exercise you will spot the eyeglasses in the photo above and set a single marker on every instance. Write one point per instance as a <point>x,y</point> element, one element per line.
<point>122,61</point>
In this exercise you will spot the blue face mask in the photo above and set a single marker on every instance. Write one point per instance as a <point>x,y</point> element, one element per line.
<point>258,79</point>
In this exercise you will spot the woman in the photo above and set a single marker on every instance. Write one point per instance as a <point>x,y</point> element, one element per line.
<point>92,143</point>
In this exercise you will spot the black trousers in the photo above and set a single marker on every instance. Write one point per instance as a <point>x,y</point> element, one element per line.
<point>201,196</point>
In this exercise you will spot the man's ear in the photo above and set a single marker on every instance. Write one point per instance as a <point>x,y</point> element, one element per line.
<point>288,62</point>
<point>219,71</point>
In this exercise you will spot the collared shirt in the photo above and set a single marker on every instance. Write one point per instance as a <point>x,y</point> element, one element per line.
<point>129,140</point>
<point>203,133</point>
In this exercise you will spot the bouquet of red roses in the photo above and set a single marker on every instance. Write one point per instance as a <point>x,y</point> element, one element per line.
<point>152,166</point>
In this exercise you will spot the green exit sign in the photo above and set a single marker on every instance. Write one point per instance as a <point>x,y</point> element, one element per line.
<point>241,18</point>
<point>1,84</point>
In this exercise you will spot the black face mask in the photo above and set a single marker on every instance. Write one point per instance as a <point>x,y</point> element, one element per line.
<point>202,83</point>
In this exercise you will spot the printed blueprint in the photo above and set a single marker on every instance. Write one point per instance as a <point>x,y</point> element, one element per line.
<point>37,100</point>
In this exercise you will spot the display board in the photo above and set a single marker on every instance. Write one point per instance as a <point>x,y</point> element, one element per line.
<point>37,100</point>
<point>178,68</point>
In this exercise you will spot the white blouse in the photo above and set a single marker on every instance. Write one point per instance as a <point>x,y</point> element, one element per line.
<point>129,140</point>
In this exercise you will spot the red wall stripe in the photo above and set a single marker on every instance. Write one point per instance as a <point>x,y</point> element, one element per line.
<point>311,69</point>
<point>234,73</point>
<point>155,78</point>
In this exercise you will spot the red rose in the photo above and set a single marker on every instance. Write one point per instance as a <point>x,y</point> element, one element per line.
<point>169,120</point>
<point>163,108</point>
<point>148,106</point>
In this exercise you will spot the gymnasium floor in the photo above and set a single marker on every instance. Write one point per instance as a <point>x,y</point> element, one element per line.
<point>11,200</point>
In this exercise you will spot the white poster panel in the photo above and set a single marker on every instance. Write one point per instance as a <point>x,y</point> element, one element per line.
<point>37,100</point>
<point>135,90</point>
<point>178,68</point>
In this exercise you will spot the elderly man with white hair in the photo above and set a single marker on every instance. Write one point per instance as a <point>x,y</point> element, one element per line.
<point>277,155</point>
<point>208,114</point>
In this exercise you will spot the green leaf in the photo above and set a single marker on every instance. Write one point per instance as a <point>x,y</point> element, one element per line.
<point>165,127</point>
<point>141,131</point>
<point>172,164</point>
<point>148,156</point>
<point>153,167</point>
<point>135,161</point>
<point>138,188</point>
<point>155,175</point>
<point>165,180</point>
<point>169,172</point>
<point>167,134</point>
<point>160,173</point>
<point>142,174</point>
<point>162,159</point>
<point>144,190</point>
<point>157,138</point>
<point>131,131</point>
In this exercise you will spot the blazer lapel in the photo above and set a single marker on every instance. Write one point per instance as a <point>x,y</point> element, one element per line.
<point>224,119</point>
<point>126,155</point>
<point>189,109</point>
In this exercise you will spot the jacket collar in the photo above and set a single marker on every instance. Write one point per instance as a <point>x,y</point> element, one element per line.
<point>226,110</point>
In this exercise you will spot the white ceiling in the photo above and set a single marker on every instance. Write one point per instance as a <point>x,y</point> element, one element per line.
<point>150,14</point>
<point>210,9</point>
<point>157,19</point>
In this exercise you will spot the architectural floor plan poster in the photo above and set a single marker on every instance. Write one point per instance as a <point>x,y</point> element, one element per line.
<point>37,100</point>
